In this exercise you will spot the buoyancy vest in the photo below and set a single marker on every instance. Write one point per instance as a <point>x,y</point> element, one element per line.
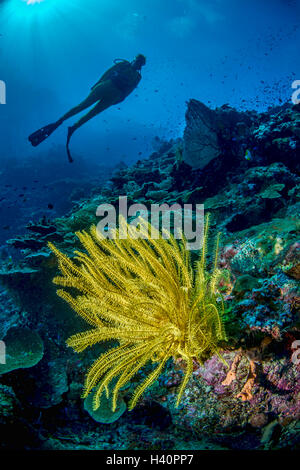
<point>124,76</point>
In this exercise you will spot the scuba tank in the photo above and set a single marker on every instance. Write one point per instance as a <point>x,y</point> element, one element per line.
<point>123,75</point>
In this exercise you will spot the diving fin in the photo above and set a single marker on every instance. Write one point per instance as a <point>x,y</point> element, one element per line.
<point>70,133</point>
<point>39,136</point>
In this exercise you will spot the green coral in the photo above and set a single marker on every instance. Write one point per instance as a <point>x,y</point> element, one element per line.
<point>104,413</point>
<point>272,191</point>
<point>24,349</point>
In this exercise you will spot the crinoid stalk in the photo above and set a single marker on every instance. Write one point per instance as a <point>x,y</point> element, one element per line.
<point>145,294</point>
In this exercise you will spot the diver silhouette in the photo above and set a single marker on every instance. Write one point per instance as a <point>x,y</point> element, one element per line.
<point>112,88</point>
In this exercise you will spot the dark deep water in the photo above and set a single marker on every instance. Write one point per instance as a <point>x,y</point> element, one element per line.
<point>238,58</point>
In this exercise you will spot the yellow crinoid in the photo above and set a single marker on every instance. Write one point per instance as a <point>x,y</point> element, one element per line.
<point>143,293</point>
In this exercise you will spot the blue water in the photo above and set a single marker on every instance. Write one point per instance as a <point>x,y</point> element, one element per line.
<point>52,51</point>
<point>244,53</point>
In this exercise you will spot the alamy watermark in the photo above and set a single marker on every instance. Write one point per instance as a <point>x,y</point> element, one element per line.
<point>2,92</point>
<point>296,94</point>
<point>296,353</point>
<point>2,353</point>
<point>186,221</point>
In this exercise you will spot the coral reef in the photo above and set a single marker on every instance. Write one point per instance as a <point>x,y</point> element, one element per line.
<point>23,349</point>
<point>248,178</point>
<point>104,414</point>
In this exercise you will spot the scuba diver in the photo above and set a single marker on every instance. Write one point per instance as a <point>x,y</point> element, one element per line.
<point>112,88</point>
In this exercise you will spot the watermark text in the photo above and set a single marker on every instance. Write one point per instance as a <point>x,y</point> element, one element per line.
<point>296,353</point>
<point>2,353</point>
<point>2,92</point>
<point>296,94</point>
<point>187,222</point>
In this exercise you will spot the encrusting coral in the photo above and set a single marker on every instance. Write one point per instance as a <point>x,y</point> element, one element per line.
<point>143,293</point>
<point>246,393</point>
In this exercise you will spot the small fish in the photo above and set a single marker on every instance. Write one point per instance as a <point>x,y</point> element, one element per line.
<point>248,155</point>
<point>50,206</point>
<point>6,227</point>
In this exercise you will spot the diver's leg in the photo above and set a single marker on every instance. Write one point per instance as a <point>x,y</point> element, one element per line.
<point>93,97</point>
<point>104,91</point>
<point>39,136</point>
<point>109,95</point>
<point>101,106</point>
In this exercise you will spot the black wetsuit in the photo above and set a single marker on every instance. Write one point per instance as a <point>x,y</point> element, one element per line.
<point>124,76</point>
